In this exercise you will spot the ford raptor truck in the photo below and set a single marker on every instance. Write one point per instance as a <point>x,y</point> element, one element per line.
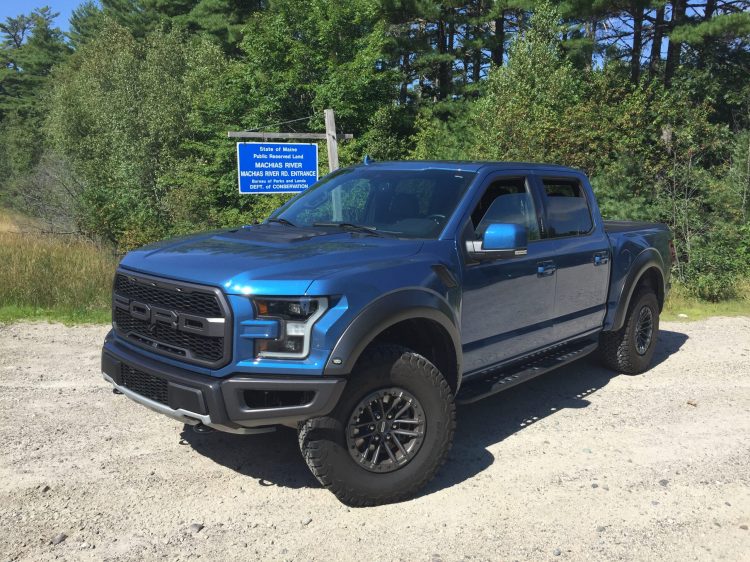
<point>364,309</point>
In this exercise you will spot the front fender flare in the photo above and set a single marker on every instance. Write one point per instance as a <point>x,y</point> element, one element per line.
<point>384,312</point>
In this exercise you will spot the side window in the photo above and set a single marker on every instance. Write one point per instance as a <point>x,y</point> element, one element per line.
<point>506,201</point>
<point>567,209</point>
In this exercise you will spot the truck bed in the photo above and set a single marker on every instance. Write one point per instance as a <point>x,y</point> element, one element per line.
<point>616,227</point>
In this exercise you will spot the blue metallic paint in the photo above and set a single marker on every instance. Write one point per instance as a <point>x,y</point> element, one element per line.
<point>500,236</point>
<point>507,307</point>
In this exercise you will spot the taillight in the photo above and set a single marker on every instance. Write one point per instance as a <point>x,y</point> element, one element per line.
<point>672,251</point>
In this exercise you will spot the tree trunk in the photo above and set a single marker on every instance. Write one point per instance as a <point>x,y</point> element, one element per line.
<point>421,70</point>
<point>674,49</point>
<point>707,51</point>
<point>476,63</point>
<point>498,45</point>
<point>656,42</point>
<point>635,51</point>
<point>405,71</point>
<point>451,49</point>
<point>708,13</point>
<point>590,33</point>
<point>441,71</point>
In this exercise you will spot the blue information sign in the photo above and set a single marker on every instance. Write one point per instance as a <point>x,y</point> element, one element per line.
<point>276,167</point>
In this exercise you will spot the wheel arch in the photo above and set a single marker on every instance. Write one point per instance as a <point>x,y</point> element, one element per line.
<point>647,270</point>
<point>416,318</point>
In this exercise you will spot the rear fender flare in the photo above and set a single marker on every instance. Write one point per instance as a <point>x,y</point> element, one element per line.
<point>646,260</point>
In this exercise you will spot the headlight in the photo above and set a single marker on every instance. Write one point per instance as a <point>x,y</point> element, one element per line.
<point>296,317</point>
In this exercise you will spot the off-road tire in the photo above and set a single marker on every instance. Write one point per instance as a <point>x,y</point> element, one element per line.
<point>323,444</point>
<point>617,350</point>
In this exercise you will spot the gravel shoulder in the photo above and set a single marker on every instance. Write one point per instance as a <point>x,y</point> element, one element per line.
<point>580,464</point>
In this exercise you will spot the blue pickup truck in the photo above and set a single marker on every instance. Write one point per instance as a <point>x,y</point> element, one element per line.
<point>364,309</point>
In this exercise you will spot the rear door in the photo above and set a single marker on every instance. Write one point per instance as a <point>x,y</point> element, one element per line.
<point>581,254</point>
<point>508,304</point>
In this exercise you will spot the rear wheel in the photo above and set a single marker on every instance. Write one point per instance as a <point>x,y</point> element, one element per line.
<point>631,348</point>
<point>388,435</point>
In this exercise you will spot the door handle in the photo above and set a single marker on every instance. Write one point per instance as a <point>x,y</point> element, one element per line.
<point>545,268</point>
<point>601,258</point>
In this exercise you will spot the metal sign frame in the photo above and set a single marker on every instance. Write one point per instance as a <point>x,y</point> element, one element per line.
<point>287,187</point>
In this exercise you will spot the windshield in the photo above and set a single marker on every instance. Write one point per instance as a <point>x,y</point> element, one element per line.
<point>404,203</point>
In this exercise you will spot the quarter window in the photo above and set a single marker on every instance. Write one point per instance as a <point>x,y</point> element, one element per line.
<point>567,209</point>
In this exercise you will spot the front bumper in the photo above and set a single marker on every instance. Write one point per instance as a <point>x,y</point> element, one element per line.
<point>230,404</point>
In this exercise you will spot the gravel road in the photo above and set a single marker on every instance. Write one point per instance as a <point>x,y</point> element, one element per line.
<point>580,464</point>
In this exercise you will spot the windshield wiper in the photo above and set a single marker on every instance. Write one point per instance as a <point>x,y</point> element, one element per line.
<point>282,221</point>
<point>351,226</point>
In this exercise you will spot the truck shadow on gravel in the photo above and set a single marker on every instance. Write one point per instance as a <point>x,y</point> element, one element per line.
<point>274,459</point>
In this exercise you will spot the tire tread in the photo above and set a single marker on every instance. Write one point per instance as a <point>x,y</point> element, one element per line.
<point>615,348</point>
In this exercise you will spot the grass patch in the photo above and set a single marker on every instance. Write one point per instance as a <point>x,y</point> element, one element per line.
<point>680,301</point>
<point>70,317</point>
<point>54,278</point>
<point>12,221</point>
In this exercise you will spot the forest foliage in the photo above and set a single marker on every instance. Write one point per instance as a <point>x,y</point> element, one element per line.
<point>116,129</point>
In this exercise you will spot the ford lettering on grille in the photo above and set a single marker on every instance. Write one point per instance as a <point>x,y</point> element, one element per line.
<point>211,327</point>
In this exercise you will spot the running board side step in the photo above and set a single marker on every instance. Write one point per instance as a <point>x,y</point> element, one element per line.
<point>503,379</point>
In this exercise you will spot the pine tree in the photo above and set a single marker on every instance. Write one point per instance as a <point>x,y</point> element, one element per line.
<point>85,22</point>
<point>30,48</point>
<point>221,19</point>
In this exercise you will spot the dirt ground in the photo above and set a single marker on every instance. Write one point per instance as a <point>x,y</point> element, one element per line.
<point>580,464</point>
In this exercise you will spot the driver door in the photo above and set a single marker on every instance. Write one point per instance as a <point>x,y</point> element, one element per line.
<point>508,303</point>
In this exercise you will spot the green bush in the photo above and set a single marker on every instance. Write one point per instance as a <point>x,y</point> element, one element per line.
<point>719,264</point>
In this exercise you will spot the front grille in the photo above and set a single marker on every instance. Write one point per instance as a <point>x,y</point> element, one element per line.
<point>172,318</point>
<point>200,304</point>
<point>144,384</point>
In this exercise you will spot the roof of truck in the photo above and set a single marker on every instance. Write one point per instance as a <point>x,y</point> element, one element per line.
<point>467,165</point>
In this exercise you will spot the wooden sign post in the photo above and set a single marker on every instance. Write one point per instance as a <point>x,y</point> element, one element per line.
<point>329,136</point>
<point>331,141</point>
<point>333,163</point>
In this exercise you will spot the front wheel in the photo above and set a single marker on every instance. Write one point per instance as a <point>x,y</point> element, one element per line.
<point>631,348</point>
<point>388,435</point>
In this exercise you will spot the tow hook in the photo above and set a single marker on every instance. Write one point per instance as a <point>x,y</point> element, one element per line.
<point>115,391</point>
<point>200,428</point>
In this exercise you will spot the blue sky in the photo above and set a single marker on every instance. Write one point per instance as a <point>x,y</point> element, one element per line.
<point>12,8</point>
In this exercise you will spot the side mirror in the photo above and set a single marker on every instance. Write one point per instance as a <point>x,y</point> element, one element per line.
<point>500,240</point>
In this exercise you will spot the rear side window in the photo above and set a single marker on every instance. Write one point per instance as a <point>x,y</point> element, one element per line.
<point>567,209</point>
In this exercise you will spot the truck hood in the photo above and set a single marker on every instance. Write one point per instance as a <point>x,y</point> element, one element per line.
<point>265,259</point>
